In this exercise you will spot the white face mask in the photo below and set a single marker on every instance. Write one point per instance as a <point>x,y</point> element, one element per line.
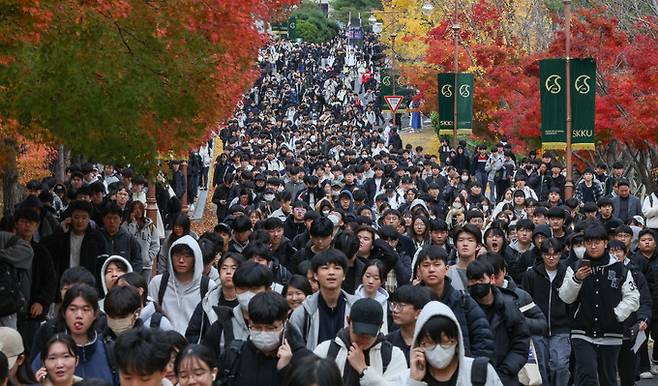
<point>121,325</point>
<point>268,197</point>
<point>456,205</point>
<point>265,341</point>
<point>464,178</point>
<point>440,357</point>
<point>244,299</point>
<point>579,252</point>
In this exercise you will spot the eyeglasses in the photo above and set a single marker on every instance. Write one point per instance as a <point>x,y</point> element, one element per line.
<point>398,306</point>
<point>429,346</point>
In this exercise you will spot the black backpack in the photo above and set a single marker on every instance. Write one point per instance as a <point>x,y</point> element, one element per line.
<point>386,351</point>
<point>156,318</point>
<point>12,299</point>
<point>205,281</point>
<point>232,358</point>
<point>479,371</point>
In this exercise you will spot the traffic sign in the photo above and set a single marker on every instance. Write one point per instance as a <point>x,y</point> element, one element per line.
<point>393,101</point>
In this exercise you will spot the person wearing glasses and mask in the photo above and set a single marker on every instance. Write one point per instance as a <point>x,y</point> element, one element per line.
<point>438,356</point>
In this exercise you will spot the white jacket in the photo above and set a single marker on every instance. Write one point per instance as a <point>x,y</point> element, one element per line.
<point>435,308</point>
<point>374,376</point>
<point>181,299</point>
<point>382,298</point>
<point>650,210</point>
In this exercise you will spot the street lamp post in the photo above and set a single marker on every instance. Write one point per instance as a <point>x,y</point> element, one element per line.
<point>455,28</point>
<point>568,186</point>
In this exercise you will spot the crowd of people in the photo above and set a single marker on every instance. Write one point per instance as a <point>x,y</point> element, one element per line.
<point>340,256</point>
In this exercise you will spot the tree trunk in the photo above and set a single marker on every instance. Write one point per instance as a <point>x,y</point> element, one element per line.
<point>9,175</point>
<point>60,164</point>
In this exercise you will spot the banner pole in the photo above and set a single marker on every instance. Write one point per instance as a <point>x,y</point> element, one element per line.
<point>455,28</point>
<point>568,186</point>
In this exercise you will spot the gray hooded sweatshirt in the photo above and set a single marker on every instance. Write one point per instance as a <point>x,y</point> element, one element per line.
<point>125,262</point>
<point>435,308</point>
<point>180,299</point>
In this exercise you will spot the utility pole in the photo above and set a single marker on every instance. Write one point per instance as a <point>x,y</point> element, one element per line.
<point>455,29</point>
<point>568,186</point>
<point>455,122</point>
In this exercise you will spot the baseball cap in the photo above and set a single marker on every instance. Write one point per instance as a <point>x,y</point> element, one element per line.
<point>639,219</point>
<point>11,344</point>
<point>366,317</point>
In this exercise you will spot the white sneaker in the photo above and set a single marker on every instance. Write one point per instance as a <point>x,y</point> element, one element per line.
<point>654,369</point>
<point>646,375</point>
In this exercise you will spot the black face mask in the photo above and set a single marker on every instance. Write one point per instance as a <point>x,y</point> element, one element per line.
<point>480,290</point>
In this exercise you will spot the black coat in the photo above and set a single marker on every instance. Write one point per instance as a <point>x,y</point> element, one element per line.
<point>302,255</point>
<point>649,268</point>
<point>44,277</point>
<point>125,245</point>
<point>93,245</point>
<point>221,331</point>
<point>546,296</point>
<point>178,184</point>
<point>256,369</point>
<point>646,303</point>
<point>284,253</point>
<point>478,339</point>
<point>511,337</point>
<point>534,316</point>
<point>292,228</point>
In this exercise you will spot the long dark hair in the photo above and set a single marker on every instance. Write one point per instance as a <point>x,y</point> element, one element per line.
<point>131,208</point>
<point>88,294</point>
<point>183,221</point>
<point>65,339</point>
<point>381,270</point>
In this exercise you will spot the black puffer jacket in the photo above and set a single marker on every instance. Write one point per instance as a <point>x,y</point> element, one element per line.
<point>511,337</point>
<point>534,317</point>
<point>478,339</point>
<point>644,313</point>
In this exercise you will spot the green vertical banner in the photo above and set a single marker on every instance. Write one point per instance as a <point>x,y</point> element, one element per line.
<point>583,100</point>
<point>552,73</point>
<point>465,103</point>
<point>387,78</point>
<point>292,28</point>
<point>464,96</point>
<point>386,87</point>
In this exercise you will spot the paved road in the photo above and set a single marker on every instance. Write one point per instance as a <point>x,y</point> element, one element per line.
<point>199,205</point>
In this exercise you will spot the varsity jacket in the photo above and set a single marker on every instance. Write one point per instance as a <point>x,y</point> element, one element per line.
<point>601,302</point>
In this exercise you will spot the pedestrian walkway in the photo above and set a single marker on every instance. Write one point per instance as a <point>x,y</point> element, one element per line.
<point>201,203</point>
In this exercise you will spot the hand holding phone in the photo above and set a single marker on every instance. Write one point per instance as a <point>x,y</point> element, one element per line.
<point>585,270</point>
<point>41,375</point>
